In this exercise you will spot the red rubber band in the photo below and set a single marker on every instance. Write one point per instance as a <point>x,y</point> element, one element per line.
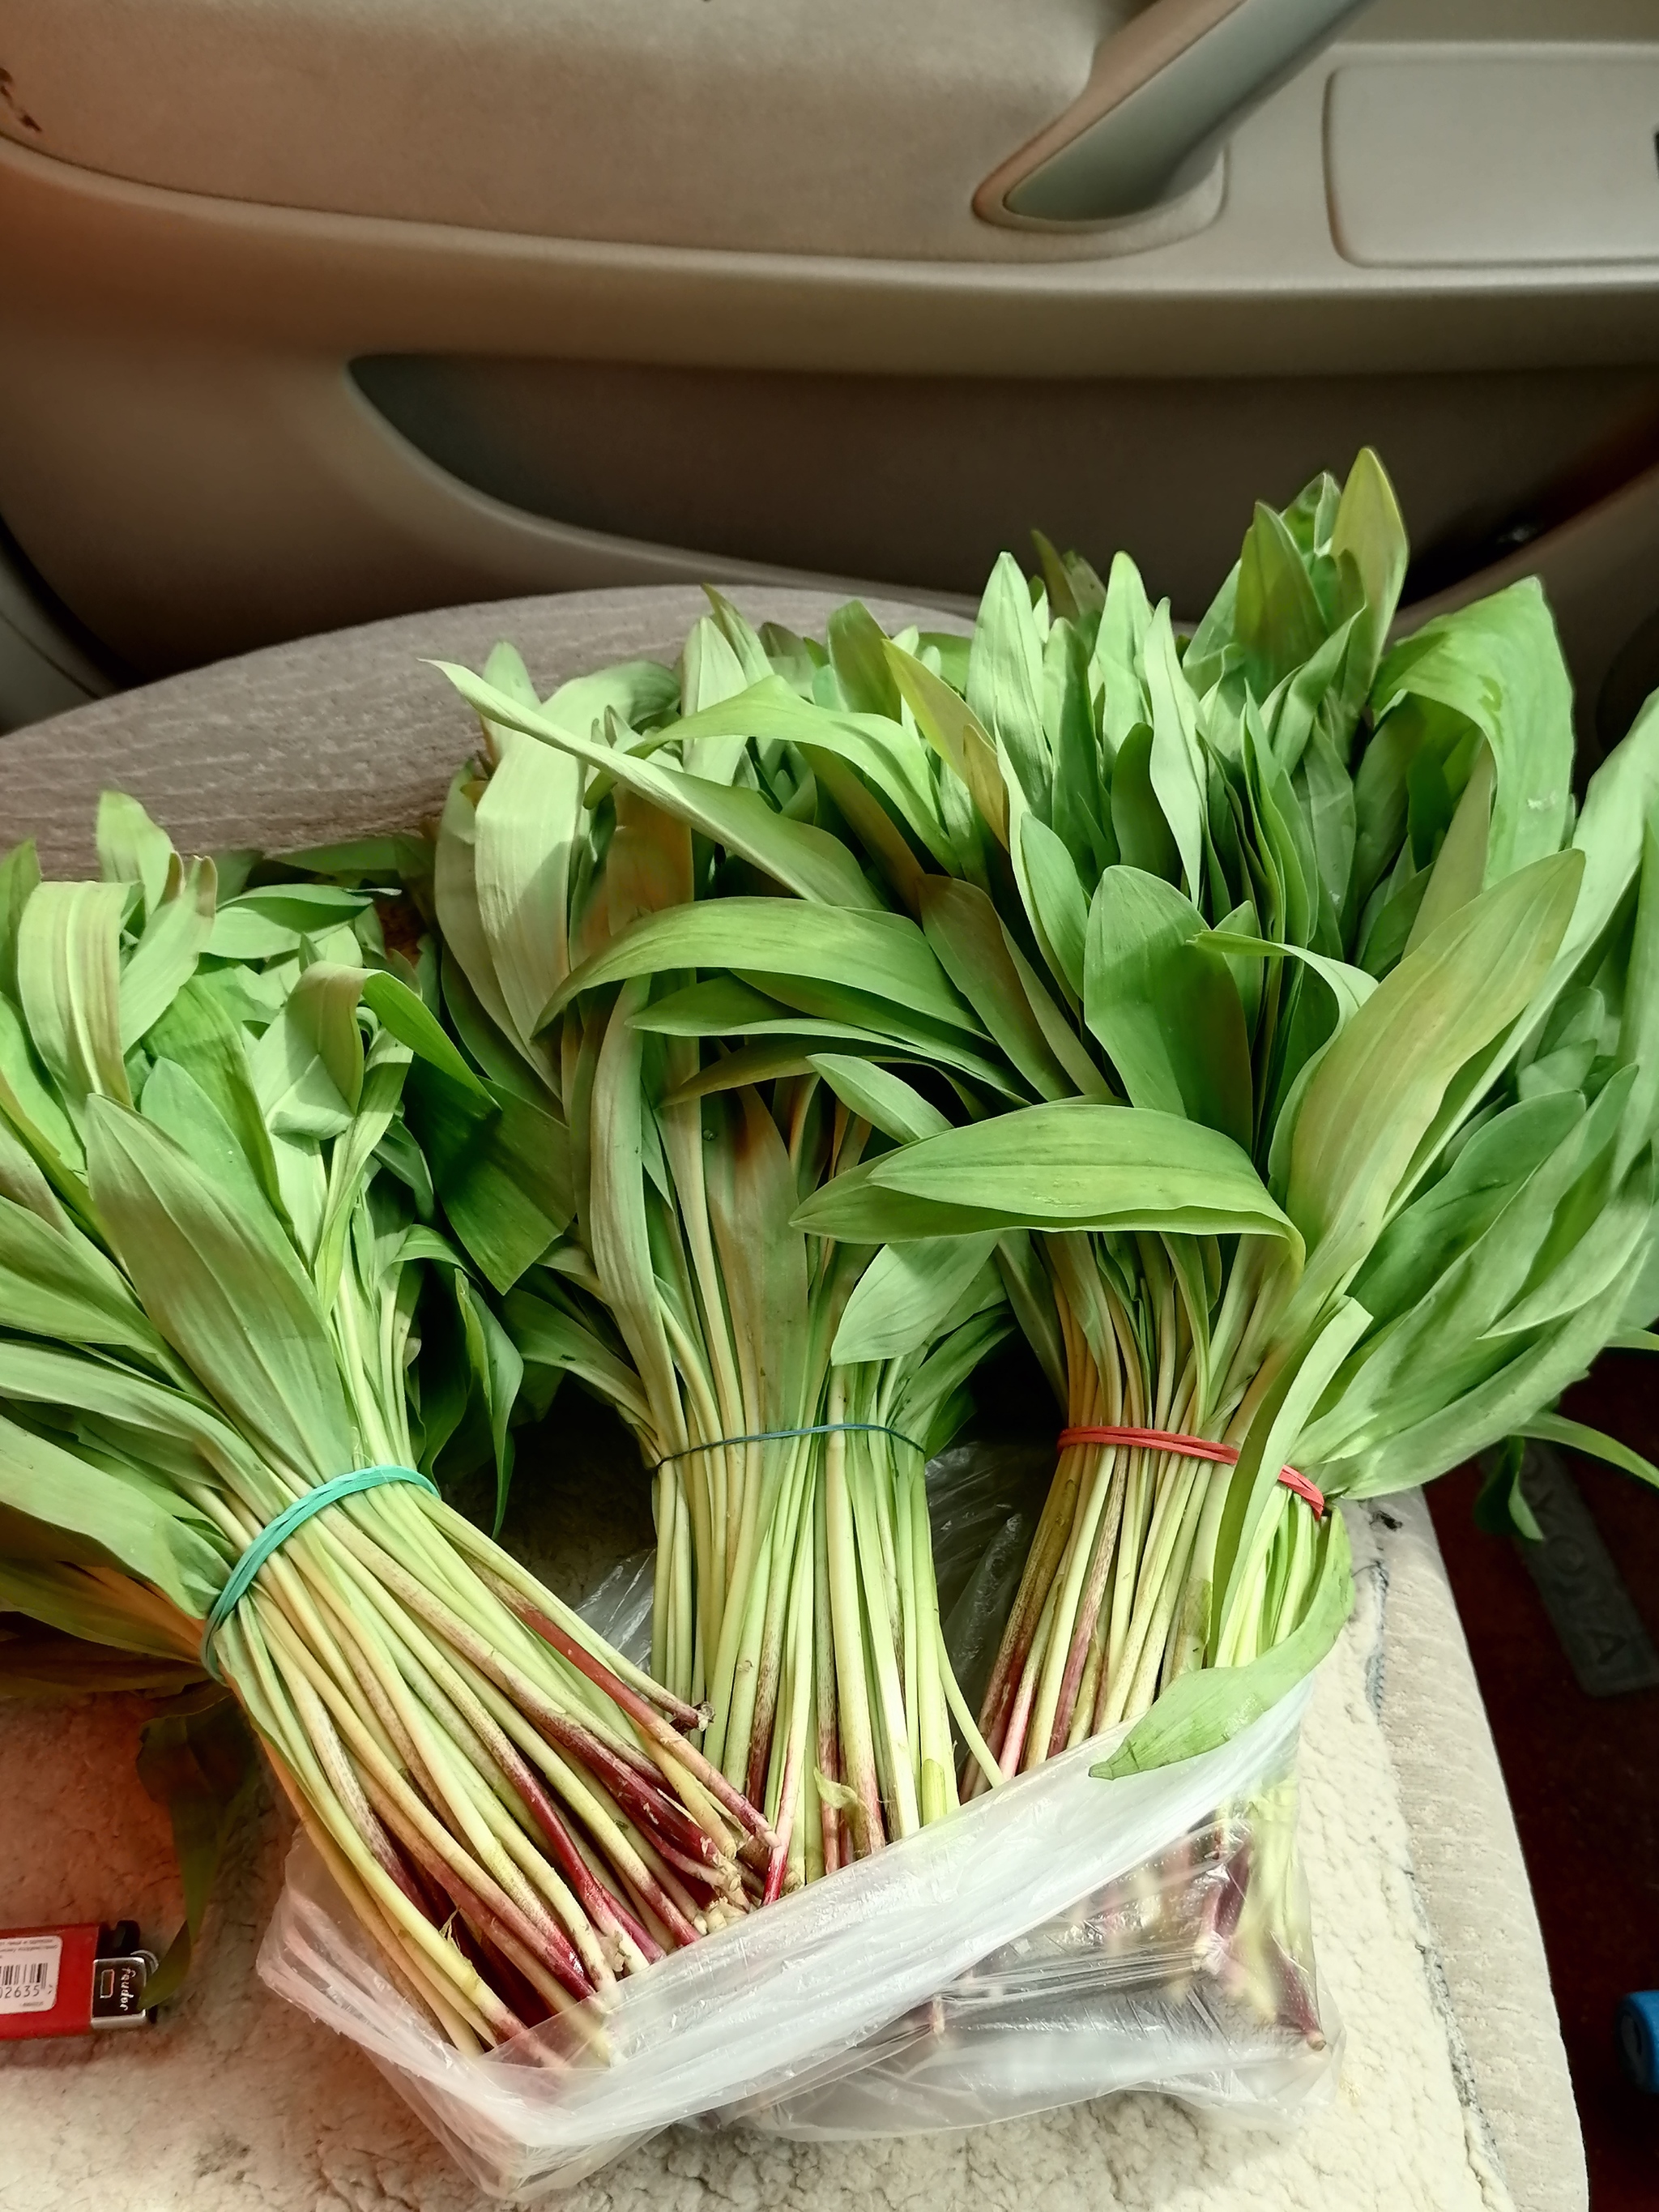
<point>1192,1448</point>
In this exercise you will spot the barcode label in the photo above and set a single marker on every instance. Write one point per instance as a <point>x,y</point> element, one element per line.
<point>28,1972</point>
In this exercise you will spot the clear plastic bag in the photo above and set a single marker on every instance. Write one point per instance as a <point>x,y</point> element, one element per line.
<point>1059,1939</point>
<point>1193,1974</point>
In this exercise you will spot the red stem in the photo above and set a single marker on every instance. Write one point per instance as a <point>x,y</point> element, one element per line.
<point>778,1865</point>
<point>645,1716</point>
<point>608,1913</point>
<point>551,1944</point>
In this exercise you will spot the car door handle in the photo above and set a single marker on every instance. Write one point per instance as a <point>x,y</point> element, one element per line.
<point>1164,93</point>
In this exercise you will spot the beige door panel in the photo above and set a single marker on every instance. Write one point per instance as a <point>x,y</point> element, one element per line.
<point>189,460</point>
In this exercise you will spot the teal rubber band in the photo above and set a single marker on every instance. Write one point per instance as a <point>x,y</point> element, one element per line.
<point>783,1436</point>
<point>276,1533</point>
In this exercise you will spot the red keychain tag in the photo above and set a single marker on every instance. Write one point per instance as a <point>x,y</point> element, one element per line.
<point>72,1980</point>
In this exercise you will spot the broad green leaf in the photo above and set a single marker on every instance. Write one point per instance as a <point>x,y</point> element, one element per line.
<point>323,1008</point>
<point>405,1013</point>
<point>962,926</point>
<point>498,1371</point>
<point>649,864</point>
<point>1143,835</point>
<point>935,1402</point>
<point>547,1335</point>
<point>1056,579</point>
<point>1406,1370</point>
<point>1495,1407</point>
<point>1620,800</point>
<point>907,1294</point>
<point>791,657</point>
<point>240,933</point>
<point>1498,663</point>
<point>24,1182</point>
<point>1176,764</point>
<point>724,1006</point>
<point>68,979</point>
<point>311,909</point>
<point>1165,1006</point>
<point>872,825</point>
<point>226,1293</point>
<point>1370,535</point>
<point>1277,618</point>
<point>1031,1294</point>
<point>760,1063</point>
<point>1061,1039</point>
<point>720,1006</point>
<point>501,1057</point>
<point>1379,1087</point>
<point>1283,832</point>
<point>641,691</point>
<point>526,826</point>
<point>1641,1308</point>
<point>1114,665</point>
<point>883,1099</point>
<point>763,1256</point>
<point>65,1596</point>
<point>1076,1166</point>
<point>1350,987</point>
<point>1081,799</point>
<point>1326,791</point>
<point>1563,1281</point>
<point>855,1209</point>
<point>176,1103</point>
<point>1386,931</point>
<point>1421,1242</point>
<point>956,733</point>
<point>56,1283</point>
<point>423,1242</point>
<point>297,1095</point>
<point>1460,870</point>
<point>740,634</point>
<point>131,848</point>
<point>881,752</point>
<point>350,1162</point>
<point>882,954</point>
<point>399,856</point>
<point>1062,906</point>
<point>858,654</point>
<point>49,1490</point>
<point>1005,681</point>
<point>20,872</point>
<point>804,859</point>
<point>1639,1026</point>
<point>176,934</point>
<point>839,1020</point>
<point>1381,796</point>
<point>1501,1509</point>
<point>33,1109</point>
<point>466,954</point>
<point>501,1168</point>
<point>836,1016</point>
<point>711,671</point>
<point>197,1033</point>
<point>614,1221</point>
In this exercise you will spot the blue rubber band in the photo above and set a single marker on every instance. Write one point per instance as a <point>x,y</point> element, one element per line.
<point>276,1533</point>
<point>783,1436</point>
